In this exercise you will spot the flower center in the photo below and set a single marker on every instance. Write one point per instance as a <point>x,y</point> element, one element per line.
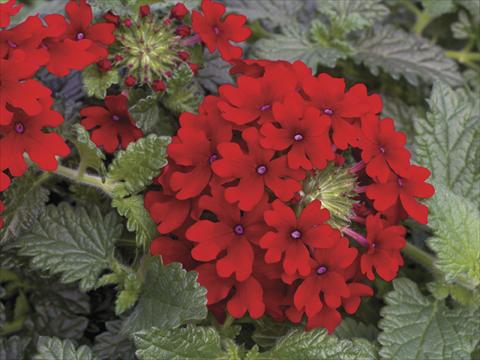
<point>261,169</point>
<point>19,127</point>
<point>115,117</point>
<point>400,182</point>
<point>265,107</point>
<point>298,137</point>
<point>216,30</point>
<point>321,270</point>
<point>296,234</point>
<point>80,36</point>
<point>328,111</point>
<point>373,245</point>
<point>381,149</point>
<point>11,44</point>
<point>239,229</point>
<point>212,158</point>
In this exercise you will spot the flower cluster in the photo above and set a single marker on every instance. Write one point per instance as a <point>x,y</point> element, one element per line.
<point>60,44</point>
<point>285,194</point>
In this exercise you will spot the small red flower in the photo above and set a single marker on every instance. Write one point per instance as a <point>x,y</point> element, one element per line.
<point>217,33</point>
<point>383,253</point>
<point>144,10</point>
<point>112,125</point>
<point>248,297</point>
<point>17,89</point>
<point>253,98</point>
<point>255,170</point>
<point>7,10</point>
<point>402,191</point>
<point>26,134</point>
<point>296,237</point>
<point>130,81</point>
<point>383,148</point>
<point>184,55</point>
<point>179,11</point>
<point>158,85</point>
<point>302,130</point>
<point>344,109</point>
<point>357,291</point>
<point>80,15</point>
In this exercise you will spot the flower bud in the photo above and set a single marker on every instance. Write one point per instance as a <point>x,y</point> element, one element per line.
<point>144,10</point>
<point>112,18</point>
<point>159,85</point>
<point>104,65</point>
<point>183,31</point>
<point>130,81</point>
<point>184,55</point>
<point>127,22</point>
<point>179,11</point>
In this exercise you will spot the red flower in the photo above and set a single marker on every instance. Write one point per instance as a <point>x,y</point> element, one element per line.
<point>110,17</point>
<point>81,27</point>
<point>248,297</point>
<point>253,98</point>
<point>402,191</point>
<point>231,235</point>
<point>144,10</point>
<point>255,170</point>
<point>383,148</point>
<point>7,10</point>
<point>344,109</point>
<point>383,253</point>
<point>112,125</point>
<point>173,251</point>
<point>4,181</point>
<point>327,278</point>
<point>25,134</point>
<point>218,288</point>
<point>357,291</point>
<point>130,81</point>
<point>159,85</point>
<point>179,11</point>
<point>196,148</point>
<point>17,89</point>
<point>302,130</point>
<point>296,237</point>
<point>217,33</point>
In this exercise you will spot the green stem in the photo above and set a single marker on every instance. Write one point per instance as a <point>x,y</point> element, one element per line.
<point>228,322</point>
<point>463,56</point>
<point>423,18</point>
<point>85,178</point>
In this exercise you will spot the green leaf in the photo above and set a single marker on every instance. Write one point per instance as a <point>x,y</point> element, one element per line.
<point>96,82</point>
<point>13,347</point>
<point>402,113</point>
<point>170,297</point>
<point>90,155</point>
<point>135,167</point>
<point>138,218</point>
<point>183,93</point>
<point>456,225</point>
<point>318,345</point>
<point>294,44</point>
<point>352,15</point>
<point>448,140</point>
<point>25,200</point>
<point>190,343</point>
<point>49,348</point>
<point>435,8</point>
<point>462,28</point>
<point>275,12</point>
<point>111,344</point>
<point>128,296</point>
<point>73,242</point>
<point>268,331</point>
<point>214,73</point>
<point>146,113</point>
<point>401,54</point>
<point>416,327</point>
<point>463,296</point>
<point>351,329</point>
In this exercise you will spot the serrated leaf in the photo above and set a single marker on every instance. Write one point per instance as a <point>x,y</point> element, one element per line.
<point>13,347</point>
<point>128,296</point>
<point>138,218</point>
<point>402,114</point>
<point>416,327</point>
<point>146,114</point>
<point>401,54</point>
<point>456,235</point>
<point>90,155</point>
<point>96,82</point>
<point>182,93</point>
<point>294,44</point>
<point>352,15</point>
<point>25,200</point>
<point>190,343</point>
<point>351,329</point>
<point>135,167</point>
<point>214,73</point>
<point>268,331</point>
<point>275,12</point>
<point>170,296</point>
<point>435,8</point>
<point>462,28</point>
<point>50,348</point>
<point>448,140</point>
<point>463,296</point>
<point>111,345</point>
<point>73,242</point>
<point>318,345</point>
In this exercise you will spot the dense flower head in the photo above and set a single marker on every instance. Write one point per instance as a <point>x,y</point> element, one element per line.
<point>285,193</point>
<point>111,125</point>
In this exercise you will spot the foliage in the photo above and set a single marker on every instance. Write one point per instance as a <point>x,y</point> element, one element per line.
<point>96,82</point>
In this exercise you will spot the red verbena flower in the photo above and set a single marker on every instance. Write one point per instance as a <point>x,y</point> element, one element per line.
<point>302,130</point>
<point>4,181</point>
<point>383,254</point>
<point>295,238</point>
<point>383,148</point>
<point>7,10</point>
<point>402,191</point>
<point>172,250</point>
<point>255,170</point>
<point>112,125</point>
<point>17,89</point>
<point>218,33</point>
<point>26,134</point>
